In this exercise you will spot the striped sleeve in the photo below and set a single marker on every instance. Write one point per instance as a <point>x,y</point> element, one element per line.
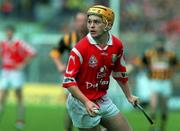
<point>28,49</point>
<point>119,71</point>
<point>75,60</point>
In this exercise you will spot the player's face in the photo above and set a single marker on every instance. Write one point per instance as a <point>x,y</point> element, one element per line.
<point>95,25</point>
<point>9,33</point>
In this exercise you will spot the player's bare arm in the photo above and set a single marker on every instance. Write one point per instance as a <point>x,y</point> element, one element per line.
<point>25,62</point>
<point>56,57</point>
<point>60,66</point>
<point>125,87</point>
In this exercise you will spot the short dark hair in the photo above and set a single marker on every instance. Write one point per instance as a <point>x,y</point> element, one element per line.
<point>10,27</point>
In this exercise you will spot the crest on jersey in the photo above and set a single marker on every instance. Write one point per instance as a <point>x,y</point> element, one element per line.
<point>102,72</point>
<point>114,58</point>
<point>92,61</point>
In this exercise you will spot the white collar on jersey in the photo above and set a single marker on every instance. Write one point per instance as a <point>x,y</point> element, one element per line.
<point>11,40</point>
<point>92,41</point>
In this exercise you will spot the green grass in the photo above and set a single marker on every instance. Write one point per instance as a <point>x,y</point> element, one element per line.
<point>50,118</point>
<point>139,122</point>
<point>38,118</point>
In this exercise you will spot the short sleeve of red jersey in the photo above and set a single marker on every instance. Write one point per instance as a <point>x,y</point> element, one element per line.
<point>75,60</point>
<point>29,51</point>
<point>119,70</point>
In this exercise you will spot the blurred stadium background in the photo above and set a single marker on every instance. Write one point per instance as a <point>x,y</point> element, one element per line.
<point>43,22</point>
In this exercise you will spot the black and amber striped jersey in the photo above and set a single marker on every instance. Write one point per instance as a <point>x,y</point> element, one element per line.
<point>160,65</point>
<point>65,44</point>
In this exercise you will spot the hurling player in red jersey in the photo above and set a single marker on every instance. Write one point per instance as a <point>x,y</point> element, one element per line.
<point>91,62</point>
<point>14,55</point>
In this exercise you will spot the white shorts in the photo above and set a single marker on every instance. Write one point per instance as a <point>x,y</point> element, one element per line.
<point>143,90</point>
<point>163,87</point>
<point>80,117</point>
<point>11,78</point>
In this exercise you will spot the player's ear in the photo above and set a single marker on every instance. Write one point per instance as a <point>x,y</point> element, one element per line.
<point>107,28</point>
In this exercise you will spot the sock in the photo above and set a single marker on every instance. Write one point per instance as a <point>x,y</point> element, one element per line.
<point>20,112</point>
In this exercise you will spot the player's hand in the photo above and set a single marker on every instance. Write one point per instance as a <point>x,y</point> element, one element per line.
<point>92,108</point>
<point>62,68</point>
<point>133,100</point>
<point>20,66</point>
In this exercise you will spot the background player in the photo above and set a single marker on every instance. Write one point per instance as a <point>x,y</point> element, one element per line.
<point>15,55</point>
<point>65,45</point>
<point>160,64</point>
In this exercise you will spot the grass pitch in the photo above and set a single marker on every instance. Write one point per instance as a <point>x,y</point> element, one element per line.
<point>45,107</point>
<point>50,118</point>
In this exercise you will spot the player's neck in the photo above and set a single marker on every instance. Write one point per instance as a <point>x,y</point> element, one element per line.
<point>10,39</point>
<point>102,39</point>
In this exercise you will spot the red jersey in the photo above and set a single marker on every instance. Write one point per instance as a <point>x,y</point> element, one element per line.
<point>90,66</point>
<point>14,52</point>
